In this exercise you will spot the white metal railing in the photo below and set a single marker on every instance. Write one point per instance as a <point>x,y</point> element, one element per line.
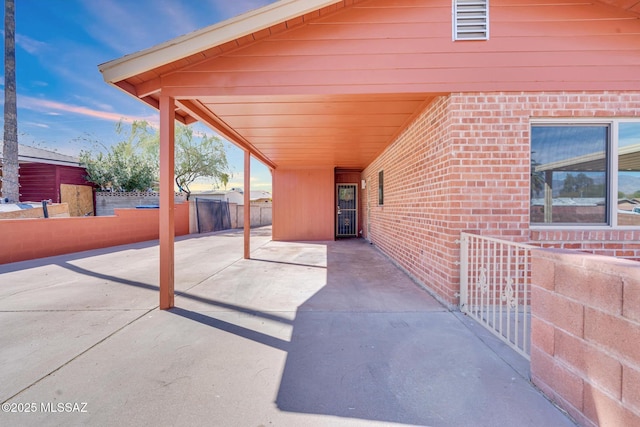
<point>495,287</point>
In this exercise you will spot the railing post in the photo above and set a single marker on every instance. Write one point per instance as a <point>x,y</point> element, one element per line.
<point>464,272</point>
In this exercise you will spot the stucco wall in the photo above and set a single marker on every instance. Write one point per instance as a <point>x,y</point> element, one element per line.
<point>585,351</point>
<point>464,165</point>
<point>303,204</point>
<point>24,239</point>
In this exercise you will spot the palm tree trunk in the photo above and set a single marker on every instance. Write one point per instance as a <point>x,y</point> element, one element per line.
<point>10,186</point>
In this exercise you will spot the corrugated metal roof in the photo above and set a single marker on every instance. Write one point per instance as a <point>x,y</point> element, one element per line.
<point>39,155</point>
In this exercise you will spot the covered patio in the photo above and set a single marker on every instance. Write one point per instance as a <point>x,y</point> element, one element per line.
<point>305,333</point>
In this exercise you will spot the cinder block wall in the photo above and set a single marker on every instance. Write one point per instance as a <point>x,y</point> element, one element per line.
<point>585,345</point>
<point>464,165</point>
<point>107,202</point>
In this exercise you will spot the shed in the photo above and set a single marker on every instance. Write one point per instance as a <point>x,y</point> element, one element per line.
<point>48,175</point>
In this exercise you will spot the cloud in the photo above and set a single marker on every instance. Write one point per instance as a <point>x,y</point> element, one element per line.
<point>30,45</point>
<point>127,27</point>
<point>233,8</point>
<point>40,125</point>
<point>45,106</point>
<point>93,101</point>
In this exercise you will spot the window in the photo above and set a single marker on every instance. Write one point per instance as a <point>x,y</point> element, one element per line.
<point>628,176</point>
<point>470,19</point>
<point>572,178</point>
<point>380,188</point>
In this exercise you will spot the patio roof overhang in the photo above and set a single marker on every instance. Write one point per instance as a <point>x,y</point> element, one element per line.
<point>300,127</point>
<point>312,104</point>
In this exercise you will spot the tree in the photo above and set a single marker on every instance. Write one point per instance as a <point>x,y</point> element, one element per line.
<point>121,169</point>
<point>575,186</point>
<point>194,158</point>
<point>132,160</point>
<point>199,159</point>
<point>124,166</point>
<point>10,185</point>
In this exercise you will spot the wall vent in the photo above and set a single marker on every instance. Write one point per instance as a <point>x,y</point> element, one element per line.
<point>470,19</point>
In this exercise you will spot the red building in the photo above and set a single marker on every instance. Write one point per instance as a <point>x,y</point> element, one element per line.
<point>47,175</point>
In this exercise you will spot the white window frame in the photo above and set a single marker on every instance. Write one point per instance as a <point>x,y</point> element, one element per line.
<point>612,171</point>
<point>456,31</point>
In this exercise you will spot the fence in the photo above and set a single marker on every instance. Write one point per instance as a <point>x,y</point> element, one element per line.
<point>495,287</point>
<point>107,202</point>
<point>212,215</point>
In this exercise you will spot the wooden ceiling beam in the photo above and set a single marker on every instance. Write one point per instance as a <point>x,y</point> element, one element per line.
<point>196,110</point>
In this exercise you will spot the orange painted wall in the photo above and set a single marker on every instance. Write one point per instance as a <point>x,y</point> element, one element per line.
<point>303,204</point>
<point>404,46</point>
<point>25,239</point>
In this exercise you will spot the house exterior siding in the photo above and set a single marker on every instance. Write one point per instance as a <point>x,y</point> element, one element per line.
<point>464,165</point>
<point>303,204</point>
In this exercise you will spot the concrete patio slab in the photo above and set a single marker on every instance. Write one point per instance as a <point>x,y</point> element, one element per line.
<point>302,334</point>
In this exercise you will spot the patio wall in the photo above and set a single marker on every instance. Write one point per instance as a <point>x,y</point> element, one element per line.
<point>24,239</point>
<point>463,165</point>
<point>585,352</point>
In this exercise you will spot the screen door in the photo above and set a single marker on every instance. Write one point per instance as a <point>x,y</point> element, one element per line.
<point>347,213</point>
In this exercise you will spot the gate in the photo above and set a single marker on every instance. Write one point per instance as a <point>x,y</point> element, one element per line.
<point>347,212</point>
<point>495,287</point>
<point>213,215</point>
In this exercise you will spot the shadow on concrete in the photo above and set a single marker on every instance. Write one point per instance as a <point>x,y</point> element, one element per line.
<point>371,345</point>
<point>240,331</point>
<point>357,345</point>
<point>184,313</point>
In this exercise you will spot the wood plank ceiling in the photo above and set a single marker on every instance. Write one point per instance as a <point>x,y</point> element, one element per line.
<point>346,131</point>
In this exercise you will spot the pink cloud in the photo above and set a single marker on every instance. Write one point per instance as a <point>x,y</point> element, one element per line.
<point>46,106</point>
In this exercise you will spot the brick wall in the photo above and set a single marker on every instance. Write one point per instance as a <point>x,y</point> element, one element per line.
<point>24,239</point>
<point>464,165</point>
<point>585,352</point>
<point>414,225</point>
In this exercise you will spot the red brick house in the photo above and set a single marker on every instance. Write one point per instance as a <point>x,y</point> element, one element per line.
<point>409,122</point>
<point>513,119</point>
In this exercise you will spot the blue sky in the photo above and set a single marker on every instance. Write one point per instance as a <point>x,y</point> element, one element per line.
<point>63,100</point>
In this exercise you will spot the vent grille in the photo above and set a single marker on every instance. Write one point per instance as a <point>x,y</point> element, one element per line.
<point>470,19</point>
